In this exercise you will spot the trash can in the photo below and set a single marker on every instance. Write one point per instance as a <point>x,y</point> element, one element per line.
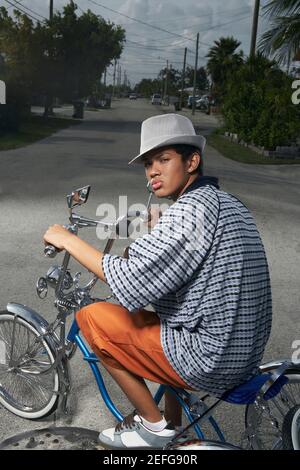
<point>108,102</point>
<point>78,109</point>
<point>177,106</point>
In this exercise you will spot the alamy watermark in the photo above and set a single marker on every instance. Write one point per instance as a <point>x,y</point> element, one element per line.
<point>296,351</point>
<point>2,92</point>
<point>2,353</point>
<point>183,224</point>
<point>296,94</point>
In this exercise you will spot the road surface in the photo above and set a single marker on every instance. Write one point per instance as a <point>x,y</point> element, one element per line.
<point>34,181</point>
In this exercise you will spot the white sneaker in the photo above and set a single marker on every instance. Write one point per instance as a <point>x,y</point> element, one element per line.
<point>131,433</point>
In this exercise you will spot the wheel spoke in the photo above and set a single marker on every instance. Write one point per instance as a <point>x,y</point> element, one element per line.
<point>265,419</point>
<point>27,386</point>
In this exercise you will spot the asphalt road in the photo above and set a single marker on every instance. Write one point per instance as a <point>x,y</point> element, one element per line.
<point>34,182</point>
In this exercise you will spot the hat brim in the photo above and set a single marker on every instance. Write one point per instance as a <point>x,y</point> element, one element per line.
<point>196,140</point>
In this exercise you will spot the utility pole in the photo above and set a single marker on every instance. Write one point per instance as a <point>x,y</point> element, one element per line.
<point>114,79</point>
<point>48,111</point>
<point>195,76</point>
<point>166,81</point>
<point>119,80</point>
<point>104,79</point>
<point>254,28</point>
<point>50,10</point>
<point>183,78</point>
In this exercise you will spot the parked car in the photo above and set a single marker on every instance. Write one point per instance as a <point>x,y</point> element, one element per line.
<point>204,102</point>
<point>133,96</point>
<point>156,99</point>
<point>190,100</point>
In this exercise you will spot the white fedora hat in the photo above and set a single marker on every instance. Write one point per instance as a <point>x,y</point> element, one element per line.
<point>168,129</point>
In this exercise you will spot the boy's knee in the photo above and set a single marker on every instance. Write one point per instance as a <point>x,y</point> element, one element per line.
<point>81,314</point>
<point>99,315</point>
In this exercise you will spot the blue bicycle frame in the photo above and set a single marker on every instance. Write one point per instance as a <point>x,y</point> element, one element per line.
<point>92,359</point>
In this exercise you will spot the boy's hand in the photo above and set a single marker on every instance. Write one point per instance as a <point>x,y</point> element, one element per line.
<point>57,235</point>
<point>154,214</point>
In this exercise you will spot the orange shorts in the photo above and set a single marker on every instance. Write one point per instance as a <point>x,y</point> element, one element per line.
<point>130,341</point>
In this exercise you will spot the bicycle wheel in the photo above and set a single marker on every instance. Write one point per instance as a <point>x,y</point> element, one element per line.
<point>26,388</point>
<point>264,420</point>
<point>199,444</point>
<point>291,429</point>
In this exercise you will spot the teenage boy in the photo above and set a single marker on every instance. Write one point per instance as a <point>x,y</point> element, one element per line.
<point>203,269</point>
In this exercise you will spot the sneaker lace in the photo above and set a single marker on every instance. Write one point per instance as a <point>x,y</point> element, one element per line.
<point>127,423</point>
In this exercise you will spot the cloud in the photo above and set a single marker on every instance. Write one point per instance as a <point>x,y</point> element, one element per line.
<point>147,49</point>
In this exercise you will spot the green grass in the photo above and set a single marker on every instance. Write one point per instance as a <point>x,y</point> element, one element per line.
<point>242,154</point>
<point>34,129</point>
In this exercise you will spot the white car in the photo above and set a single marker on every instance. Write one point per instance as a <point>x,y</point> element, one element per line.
<point>133,96</point>
<point>203,102</point>
<point>156,99</point>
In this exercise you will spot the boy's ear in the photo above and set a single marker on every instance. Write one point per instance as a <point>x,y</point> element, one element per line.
<point>194,162</point>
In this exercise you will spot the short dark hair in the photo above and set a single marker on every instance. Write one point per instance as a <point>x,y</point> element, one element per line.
<point>186,151</point>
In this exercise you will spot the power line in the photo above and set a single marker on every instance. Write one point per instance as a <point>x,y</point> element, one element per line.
<point>225,24</point>
<point>211,28</point>
<point>11,6</point>
<point>79,7</point>
<point>144,22</point>
<point>29,9</point>
<point>236,18</point>
<point>180,18</point>
<point>23,11</point>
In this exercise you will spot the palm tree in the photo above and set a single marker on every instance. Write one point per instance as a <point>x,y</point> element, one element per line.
<point>223,60</point>
<point>282,41</point>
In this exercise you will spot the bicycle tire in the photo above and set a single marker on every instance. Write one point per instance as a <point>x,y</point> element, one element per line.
<point>202,444</point>
<point>264,421</point>
<point>24,389</point>
<point>291,429</point>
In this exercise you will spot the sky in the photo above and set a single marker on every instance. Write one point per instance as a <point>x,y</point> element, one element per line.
<point>176,24</point>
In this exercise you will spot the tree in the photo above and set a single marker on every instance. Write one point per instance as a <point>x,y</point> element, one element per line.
<point>147,87</point>
<point>282,41</point>
<point>201,78</point>
<point>63,57</point>
<point>22,52</point>
<point>82,47</point>
<point>257,106</point>
<point>223,60</point>
<point>174,79</point>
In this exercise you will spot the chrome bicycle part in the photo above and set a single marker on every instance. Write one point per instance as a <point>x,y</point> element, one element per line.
<point>42,288</point>
<point>291,429</point>
<point>264,419</point>
<point>29,387</point>
<point>199,444</point>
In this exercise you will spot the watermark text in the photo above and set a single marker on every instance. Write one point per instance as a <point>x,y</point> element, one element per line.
<point>296,94</point>
<point>2,92</point>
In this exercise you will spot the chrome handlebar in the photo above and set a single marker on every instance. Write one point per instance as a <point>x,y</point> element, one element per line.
<point>77,221</point>
<point>50,251</point>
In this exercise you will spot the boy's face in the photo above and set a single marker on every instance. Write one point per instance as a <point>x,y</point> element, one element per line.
<point>167,172</point>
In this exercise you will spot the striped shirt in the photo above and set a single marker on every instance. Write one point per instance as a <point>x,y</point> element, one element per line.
<point>204,270</point>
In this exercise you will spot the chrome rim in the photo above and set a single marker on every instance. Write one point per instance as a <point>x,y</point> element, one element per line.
<point>264,419</point>
<point>25,384</point>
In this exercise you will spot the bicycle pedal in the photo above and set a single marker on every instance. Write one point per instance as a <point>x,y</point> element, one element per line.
<point>196,406</point>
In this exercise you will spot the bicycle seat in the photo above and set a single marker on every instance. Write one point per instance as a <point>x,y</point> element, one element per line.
<point>246,393</point>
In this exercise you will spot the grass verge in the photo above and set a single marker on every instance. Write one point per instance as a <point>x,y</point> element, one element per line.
<point>34,129</point>
<point>243,154</point>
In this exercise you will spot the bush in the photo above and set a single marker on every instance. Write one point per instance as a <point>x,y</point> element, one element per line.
<point>9,118</point>
<point>257,105</point>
